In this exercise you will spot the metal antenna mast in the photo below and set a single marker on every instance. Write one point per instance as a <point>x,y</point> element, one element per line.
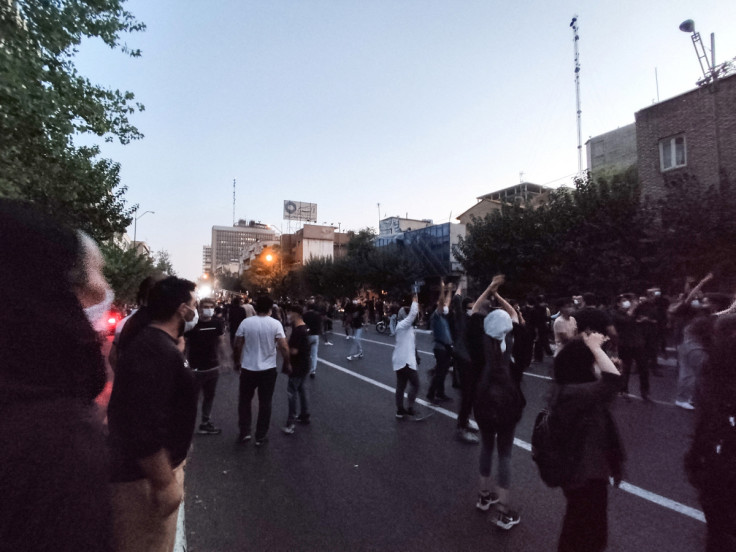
<point>233,202</point>
<point>576,38</point>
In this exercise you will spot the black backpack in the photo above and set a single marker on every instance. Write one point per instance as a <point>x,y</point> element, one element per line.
<point>556,449</point>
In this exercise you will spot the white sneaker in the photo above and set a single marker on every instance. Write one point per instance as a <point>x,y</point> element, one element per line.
<point>350,358</point>
<point>684,404</point>
<point>328,343</point>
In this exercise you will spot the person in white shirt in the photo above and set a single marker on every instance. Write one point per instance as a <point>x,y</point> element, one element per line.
<point>565,326</point>
<point>404,359</point>
<point>254,353</point>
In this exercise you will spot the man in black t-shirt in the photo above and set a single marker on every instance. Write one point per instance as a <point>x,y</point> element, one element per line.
<point>204,344</point>
<point>152,412</point>
<point>313,320</point>
<point>299,348</point>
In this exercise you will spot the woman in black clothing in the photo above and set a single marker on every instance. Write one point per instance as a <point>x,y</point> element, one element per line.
<point>711,461</point>
<point>580,403</point>
<point>53,470</point>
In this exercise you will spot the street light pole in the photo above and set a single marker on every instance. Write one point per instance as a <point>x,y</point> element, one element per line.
<point>135,225</point>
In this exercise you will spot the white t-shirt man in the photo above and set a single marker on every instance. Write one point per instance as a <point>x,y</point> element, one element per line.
<point>259,347</point>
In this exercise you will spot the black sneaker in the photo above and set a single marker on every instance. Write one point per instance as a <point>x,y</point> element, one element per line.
<point>400,413</point>
<point>302,419</point>
<point>485,499</point>
<point>261,441</point>
<point>243,439</point>
<point>442,398</point>
<point>207,428</point>
<point>410,411</point>
<point>506,520</point>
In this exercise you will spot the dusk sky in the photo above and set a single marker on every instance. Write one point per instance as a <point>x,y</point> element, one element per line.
<point>421,106</point>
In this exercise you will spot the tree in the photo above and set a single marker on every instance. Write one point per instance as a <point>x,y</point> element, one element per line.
<point>124,270</point>
<point>163,263</point>
<point>590,237</point>
<point>46,104</point>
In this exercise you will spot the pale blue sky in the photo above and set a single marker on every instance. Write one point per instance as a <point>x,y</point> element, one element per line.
<point>420,106</point>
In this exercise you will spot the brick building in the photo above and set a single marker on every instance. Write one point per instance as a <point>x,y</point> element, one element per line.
<point>693,133</point>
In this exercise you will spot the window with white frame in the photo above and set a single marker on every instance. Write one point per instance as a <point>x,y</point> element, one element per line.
<point>672,153</point>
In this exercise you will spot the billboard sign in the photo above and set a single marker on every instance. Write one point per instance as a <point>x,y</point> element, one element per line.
<point>298,210</point>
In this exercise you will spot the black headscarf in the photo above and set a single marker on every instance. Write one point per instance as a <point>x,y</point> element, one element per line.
<point>47,346</point>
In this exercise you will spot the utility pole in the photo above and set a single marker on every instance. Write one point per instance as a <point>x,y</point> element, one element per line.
<point>576,38</point>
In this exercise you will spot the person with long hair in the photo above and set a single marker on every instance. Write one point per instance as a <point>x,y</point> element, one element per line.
<point>53,465</point>
<point>711,461</point>
<point>581,403</point>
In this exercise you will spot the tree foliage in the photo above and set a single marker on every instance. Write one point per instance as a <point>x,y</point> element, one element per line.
<point>124,270</point>
<point>603,236</point>
<point>45,104</point>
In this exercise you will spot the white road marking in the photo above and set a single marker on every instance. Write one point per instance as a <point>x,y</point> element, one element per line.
<point>626,487</point>
<point>180,544</point>
<point>532,374</point>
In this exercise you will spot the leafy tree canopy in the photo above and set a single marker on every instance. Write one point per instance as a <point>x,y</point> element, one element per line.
<point>45,104</point>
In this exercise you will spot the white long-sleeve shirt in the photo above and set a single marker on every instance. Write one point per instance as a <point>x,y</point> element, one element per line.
<point>405,351</point>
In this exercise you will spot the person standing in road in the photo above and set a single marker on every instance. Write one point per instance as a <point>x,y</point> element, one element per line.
<point>459,317</point>
<point>254,355</point>
<point>235,315</point>
<point>440,327</point>
<point>565,327</point>
<point>313,320</point>
<point>404,359</point>
<point>357,326</point>
<point>152,413</point>
<point>204,350</point>
<point>499,402</point>
<point>299,358</point>
<point>581,404</point>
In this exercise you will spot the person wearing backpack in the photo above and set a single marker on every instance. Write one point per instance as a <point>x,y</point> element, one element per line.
<point>580,408</point>
<point>498,402</point>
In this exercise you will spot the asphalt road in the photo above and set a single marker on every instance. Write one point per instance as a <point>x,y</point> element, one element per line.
<point>358,479</point>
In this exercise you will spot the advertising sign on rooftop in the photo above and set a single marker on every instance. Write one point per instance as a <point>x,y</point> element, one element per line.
<point>298,210</point>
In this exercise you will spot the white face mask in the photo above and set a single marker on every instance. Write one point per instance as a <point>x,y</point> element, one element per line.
<point>209,313</point>
<point>445,309</point>
<point>469,312</point>
<point>189,325</point>
<point>96,313</point>
<point>657,293</point>
<point>626,305</point>
<point>695,304</point>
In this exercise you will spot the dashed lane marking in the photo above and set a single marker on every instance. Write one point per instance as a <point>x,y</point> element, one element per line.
<point>626,487</point>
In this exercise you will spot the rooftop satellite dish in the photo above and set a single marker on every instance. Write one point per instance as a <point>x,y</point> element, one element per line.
<point>687,26</point>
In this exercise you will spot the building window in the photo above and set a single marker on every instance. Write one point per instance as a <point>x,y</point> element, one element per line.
<point>672,153</point>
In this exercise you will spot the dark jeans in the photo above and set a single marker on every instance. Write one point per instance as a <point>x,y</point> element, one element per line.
<point>585,527</point>
<point>628,356</point>
<point>468,382</point>
<point>437,387</point>
<point>264,381</point>
<point>206,383</point>
<point>720,516</point>
<point>541,345</point>
<point>404,376</point>
<point>295,388</point>
<point>504,438</point>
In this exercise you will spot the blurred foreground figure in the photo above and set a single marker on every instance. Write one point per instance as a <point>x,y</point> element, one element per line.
<point>53,467</point>
<point>711,461</point>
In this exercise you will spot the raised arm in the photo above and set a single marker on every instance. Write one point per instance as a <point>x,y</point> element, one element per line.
<point>498,279</point>
<point>505,305</point>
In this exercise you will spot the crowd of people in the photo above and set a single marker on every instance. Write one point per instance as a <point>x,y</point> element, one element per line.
<point>121,484</point>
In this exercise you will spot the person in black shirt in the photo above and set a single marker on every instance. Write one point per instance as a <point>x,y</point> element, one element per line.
<point>313,320</point>
<point>152,412</point>
<point>299,348</point>
<point>235,315</point>
<point>204,343</point>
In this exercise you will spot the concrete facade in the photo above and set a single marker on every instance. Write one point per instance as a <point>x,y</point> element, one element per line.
<point>699,125</point>
<point>612,152</point>
<point>526,194</point>
<point>229,241</point>
<point>397,225</point>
